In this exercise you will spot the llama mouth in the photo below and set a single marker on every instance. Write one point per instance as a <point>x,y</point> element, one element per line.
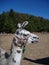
<point>18,51</point>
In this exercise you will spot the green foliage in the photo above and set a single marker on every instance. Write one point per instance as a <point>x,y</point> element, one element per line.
<point>9,21</point>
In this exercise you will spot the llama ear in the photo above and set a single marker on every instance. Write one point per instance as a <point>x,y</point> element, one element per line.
<point>24,24</point>
<point>19,25</point>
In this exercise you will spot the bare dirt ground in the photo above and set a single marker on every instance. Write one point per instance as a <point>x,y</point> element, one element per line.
<point>36,54</point>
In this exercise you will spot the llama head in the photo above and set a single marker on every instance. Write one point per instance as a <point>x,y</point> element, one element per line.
<point>25,35</point>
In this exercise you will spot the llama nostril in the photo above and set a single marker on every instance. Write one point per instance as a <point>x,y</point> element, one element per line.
<point>32,42</point>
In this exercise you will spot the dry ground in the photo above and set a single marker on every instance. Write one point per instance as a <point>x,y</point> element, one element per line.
<point>36,54</point>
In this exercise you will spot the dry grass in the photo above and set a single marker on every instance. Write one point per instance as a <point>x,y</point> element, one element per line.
<point>36,54</point>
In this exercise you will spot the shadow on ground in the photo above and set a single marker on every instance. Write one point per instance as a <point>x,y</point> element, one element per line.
<point>44,61</point>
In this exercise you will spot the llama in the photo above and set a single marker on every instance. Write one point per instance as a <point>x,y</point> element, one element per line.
<point>21,38</point>
<point>16,52</point>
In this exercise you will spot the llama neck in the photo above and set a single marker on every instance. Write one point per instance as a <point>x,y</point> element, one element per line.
<point>16,55</point>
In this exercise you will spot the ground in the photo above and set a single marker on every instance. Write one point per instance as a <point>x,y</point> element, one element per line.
<point>36,54</point>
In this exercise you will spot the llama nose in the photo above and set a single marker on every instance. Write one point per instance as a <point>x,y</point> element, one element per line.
<point>32,42</point>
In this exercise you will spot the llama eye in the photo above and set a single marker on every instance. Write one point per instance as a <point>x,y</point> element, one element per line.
<point>17,32</point>
<point>24,35</point>
<point>15,44</point>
